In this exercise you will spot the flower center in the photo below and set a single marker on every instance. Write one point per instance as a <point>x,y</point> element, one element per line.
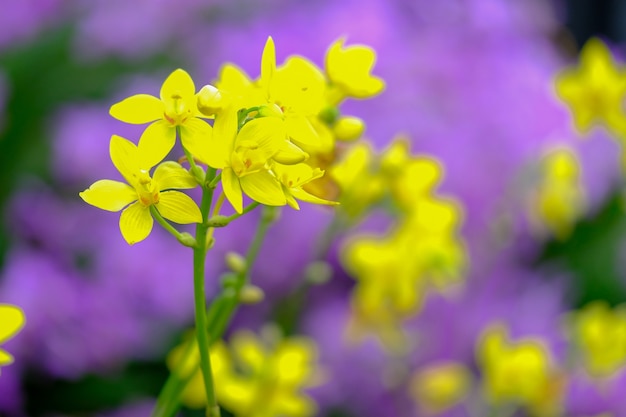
<point>176,110</point>
<point>146,188</point>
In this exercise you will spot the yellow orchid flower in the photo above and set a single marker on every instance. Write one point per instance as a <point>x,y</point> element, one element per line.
<point>519,372</point>
<point>297,89</point>
<point>176,108</point>
<point>12,320</point>
<point>293,178</point>
<point>243,158</point>
<point>600,333</point>
<point>440,385</point>
<point>257,378</point>
<point>349,71</point>
<point>143,192</point>
<point>595,90</point>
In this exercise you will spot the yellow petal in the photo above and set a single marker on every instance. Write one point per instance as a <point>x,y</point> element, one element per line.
<point>290,154</point>
<point>11,321</point>
<point>138,109</point>
<point>135,223</point>
<point>178,207</point>
<point>249,351</point>
<point>155,143</point>
<point>263,187</point>
<point>302,132</point>
<point>5,358</point>
<point>268,133</point>
<point>170,174</point>
<point>195,135</point>
<point>268,65</point>
<point>232,189</point>
<point>222,141</point>
<point>178,84</point>
<point>300,194</point>
<point>125,157</point>
<point>109,195</point>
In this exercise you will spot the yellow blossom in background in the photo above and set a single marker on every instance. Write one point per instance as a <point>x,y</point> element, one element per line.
<point>440,386</point>
<point>594,90</point>
<point>358,182</point>
<point>293,178</point>
<point>255,377</point>
<point>559,200</point>
<point>143,192</point>
<point>12,320</point>
<point>176,108</point>
<point>600,335</point>
<point>349,71</point>
<point>518,372</point>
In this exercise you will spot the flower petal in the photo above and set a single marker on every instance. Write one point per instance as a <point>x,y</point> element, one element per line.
<point>301,131</point>
<point>300,194</point>
<point>222,141</point>
<point>136,223</point>
<point>267,132</point>
<point>138,109</point>
<point>178,207</point>
<point>5,358</point>
<point>11,321</point>
<point>180,84</point>
<point>155,143</point>
<point>268,65</point>
<point>170,174</point>
<point>109,195</point>
<point>232,189</point>
<point>195,136</point>
<point>263,187</point>
<point>125,157</point>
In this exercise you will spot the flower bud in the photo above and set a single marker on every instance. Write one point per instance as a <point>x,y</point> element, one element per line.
<point>187,240</point>
<point>210,100</point>
<point>236,262</point>
<point>318,273</point>
<point>270,110</point>
<point>251,294</point>
<point>348,128</point>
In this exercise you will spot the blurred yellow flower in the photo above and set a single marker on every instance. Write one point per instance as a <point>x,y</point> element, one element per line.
<point>559,200</point>
<point>594,91</point>
<point>255,377</point>
<point>519,373</point>
<point>349,71</point>
<point>440,386</point>
<point>176,108</point>
<point>143,192</point>
<point>600,334</point>
<point>12,319</point>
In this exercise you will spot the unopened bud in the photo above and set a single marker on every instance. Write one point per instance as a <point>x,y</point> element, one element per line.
<point>236,262</point>
<point>187,240</point>
<point>210,100</point>
<point>270,110</point>
<point>319,272</point>
<point>251,294</point>
<point>217,221</point>
<point>329,115</point>
<point>349,128</point>
<point>198,174</point>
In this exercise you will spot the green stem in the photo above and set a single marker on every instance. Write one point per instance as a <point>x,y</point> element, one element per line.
<point>219,315</point>
<point>215,180</point>
<point>199,258</point>
<point>184,238</point>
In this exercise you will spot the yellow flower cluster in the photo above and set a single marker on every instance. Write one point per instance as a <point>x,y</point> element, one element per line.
<point>559,200</point>
<point>11,321</point>
<point>519,373</point>
<point>600,335</point>
<point>422,251</point>
<point>266,136</point>
<point>255,377</point>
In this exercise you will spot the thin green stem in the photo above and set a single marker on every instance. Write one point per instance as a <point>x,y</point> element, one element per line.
<point>215,180</point>
<point>183,238</point>
<point>199,258</point>
<point>218,316</point>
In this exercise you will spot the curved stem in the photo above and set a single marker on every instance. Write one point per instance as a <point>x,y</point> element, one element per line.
<point>185,239</point>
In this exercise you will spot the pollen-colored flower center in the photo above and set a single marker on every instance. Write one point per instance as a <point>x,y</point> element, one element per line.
<point>176,110</point>
<point>147,190</point>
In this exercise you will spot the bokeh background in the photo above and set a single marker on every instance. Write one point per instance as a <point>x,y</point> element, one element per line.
<point>470,82</point>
